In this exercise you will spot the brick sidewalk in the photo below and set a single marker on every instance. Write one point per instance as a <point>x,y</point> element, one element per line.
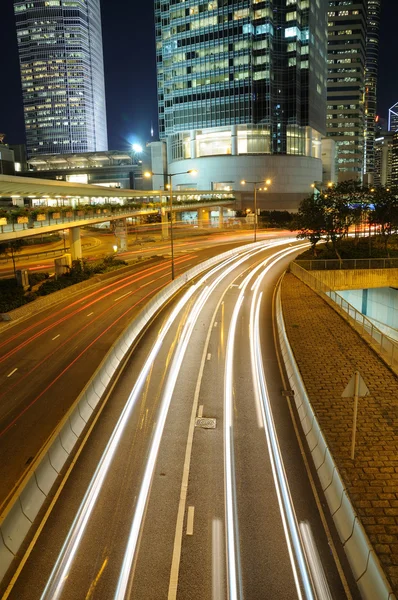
<point>328,351</point>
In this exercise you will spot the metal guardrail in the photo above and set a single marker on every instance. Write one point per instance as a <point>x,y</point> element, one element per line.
<point>386,347</point>
<point>348,264</point>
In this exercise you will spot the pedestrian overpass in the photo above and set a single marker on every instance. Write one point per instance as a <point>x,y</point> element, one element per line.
<point>62,205</point>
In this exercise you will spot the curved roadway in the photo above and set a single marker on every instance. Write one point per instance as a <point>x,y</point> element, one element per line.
<point>162,505</point>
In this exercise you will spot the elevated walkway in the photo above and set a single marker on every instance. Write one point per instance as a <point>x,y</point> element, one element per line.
<point>80,212</point>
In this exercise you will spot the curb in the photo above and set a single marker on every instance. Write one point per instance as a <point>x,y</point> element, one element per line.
<point>20,513</point>
<point>366,568</point>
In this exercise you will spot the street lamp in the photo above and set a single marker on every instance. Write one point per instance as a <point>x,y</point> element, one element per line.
<point>255,183</point>
<point>149,174</point>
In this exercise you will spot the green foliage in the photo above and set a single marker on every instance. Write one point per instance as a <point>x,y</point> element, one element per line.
<point>81,270</point>
<point>37,277</point>
<point>276,218</point>
<point>332,213</point>
<point>12,296</point>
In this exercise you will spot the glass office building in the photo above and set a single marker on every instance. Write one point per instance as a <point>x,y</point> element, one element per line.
<point>347,23</point>
<point>371,71</point>
<point>62,74</point>
<point>243,81</point>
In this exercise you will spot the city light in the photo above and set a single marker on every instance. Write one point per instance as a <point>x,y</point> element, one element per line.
<point>137,148</point>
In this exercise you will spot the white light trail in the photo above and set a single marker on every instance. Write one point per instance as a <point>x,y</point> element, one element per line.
<point>296,551</point>
<point>60,572</point>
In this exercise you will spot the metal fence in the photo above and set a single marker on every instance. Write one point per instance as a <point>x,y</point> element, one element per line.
<point>384,345</point>
<point>348,263</point>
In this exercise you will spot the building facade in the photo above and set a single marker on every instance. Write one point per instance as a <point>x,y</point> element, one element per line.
<point>347,26</point>
<point>113,168</point>
<point>62,74</point>
<point>383,157</point>
<point>393,118</point>
<point>371,72</point>
<point>242,91</point>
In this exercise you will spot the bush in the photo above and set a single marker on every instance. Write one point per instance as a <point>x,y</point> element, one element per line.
<point>35,278</point>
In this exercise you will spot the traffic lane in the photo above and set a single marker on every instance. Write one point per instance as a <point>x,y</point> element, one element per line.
<point>67,336</point>
<point>202,567</point>
<point>300,487</point>
<point>264,554</point>
<point>129,500</point>
<point>22,333</point>
<point>34,411</point>
<point>152,568</point>
<point>106,535</point>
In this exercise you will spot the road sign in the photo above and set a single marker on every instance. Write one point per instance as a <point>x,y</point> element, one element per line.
<point>349,391</point>
<point>356,388</point>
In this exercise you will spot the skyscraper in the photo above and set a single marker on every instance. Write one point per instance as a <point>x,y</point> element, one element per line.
<point>371,71</point>
<point>393,117</point>
<point>347,24</point>
<point>62,73</point>
<point>242,89</point>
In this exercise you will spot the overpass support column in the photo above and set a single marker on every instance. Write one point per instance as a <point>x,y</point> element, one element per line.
<point>123,237</point>
<point>165,224</point>
<point>203,217</point>
<point>220,217</point>
<point>75,243</point>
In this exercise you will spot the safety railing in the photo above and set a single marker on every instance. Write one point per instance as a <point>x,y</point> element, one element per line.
<point>348,264</point>
<point>385,346</point>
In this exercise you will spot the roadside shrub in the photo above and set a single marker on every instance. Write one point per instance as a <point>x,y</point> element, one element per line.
<point>35,278</point>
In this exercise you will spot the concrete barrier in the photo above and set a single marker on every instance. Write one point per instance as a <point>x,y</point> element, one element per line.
<point>365,566</point>
<point>18,516</point>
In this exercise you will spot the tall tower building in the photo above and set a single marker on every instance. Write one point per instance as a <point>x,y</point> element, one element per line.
<point>62,73</point>
<point>242,89</point>
<point>393,117</point>
<point>371,71</point>
<point>347,25</point>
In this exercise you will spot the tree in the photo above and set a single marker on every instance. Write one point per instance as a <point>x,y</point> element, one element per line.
<point>310,221</point>
<point>383,212</point>
<point>11,249</point>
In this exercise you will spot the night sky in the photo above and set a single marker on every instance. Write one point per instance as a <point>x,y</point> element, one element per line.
<point>130,70</point>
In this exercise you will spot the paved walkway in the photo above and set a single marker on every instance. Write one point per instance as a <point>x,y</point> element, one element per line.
<point>328,351</point>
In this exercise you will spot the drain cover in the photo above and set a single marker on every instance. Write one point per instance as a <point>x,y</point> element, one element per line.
<point>205,423</point>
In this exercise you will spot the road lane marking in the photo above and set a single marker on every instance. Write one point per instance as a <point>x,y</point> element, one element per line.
<point>57,336</point>
<point>12,372</point>
<point>209,356</point>
<point>191,513</point>
<point>215,324</point>
<point>200,411</point>
<point>89,314</point>
<point>124,295</point>
<point>217,561</point>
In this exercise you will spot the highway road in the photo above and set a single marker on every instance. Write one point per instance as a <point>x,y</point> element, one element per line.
<point>192,482</point>
<point>46,360</point>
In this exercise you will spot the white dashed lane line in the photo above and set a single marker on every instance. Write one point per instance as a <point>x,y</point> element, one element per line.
<point>12,372</point>
<point>57,336</point>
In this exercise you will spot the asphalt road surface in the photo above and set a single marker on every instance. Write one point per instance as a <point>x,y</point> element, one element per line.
<point>46,360</point>
<point>162,505</point>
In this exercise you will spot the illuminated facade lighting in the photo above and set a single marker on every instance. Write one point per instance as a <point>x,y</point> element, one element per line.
<point>62,74</point>
<point>347,25</point>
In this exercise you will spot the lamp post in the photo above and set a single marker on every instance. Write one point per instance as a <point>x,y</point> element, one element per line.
<point>170,187</point>
<point>256,183</point>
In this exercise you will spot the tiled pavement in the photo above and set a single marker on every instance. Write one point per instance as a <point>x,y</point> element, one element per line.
<point>328,351</point>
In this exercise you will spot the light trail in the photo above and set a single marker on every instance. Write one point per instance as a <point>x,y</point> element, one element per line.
<point>102,293</point>
<point>60,572</point>
<point>59,575</point>
<point>299,561</point>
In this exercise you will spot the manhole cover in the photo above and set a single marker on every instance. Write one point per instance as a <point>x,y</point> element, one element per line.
<point>205,423</point>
